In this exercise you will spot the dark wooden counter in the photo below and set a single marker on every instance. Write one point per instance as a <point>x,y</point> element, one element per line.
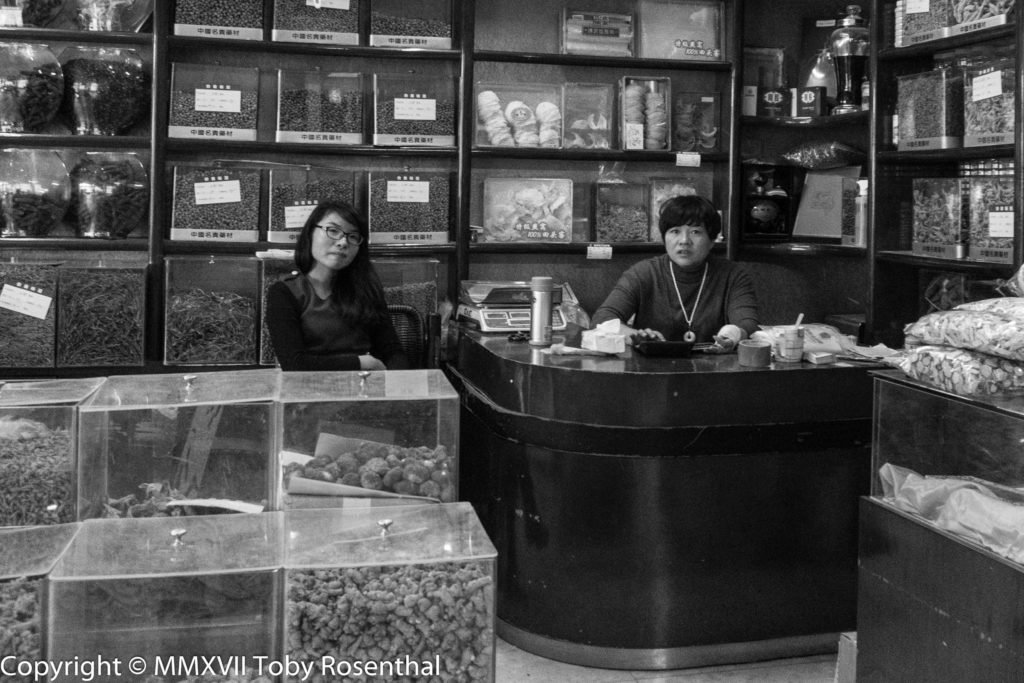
<point>662,513</point>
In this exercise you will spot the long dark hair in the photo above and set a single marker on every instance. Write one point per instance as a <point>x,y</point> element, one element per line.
<point>356,288</point>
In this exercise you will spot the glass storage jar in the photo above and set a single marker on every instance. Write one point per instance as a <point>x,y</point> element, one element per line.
<point>109,194</point>
<point>112,15</point>
<point>34,192</point>
<point>106,89</point>
<point>31,87</point>
<point>37,13</point>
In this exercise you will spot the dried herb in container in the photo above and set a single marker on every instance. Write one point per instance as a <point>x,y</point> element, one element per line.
<point>110,195</point>
<point>36,474</point>
<point>988,103</point>
<point>28,341</point>
<point>34,192</point>
<point>33,87</point>
<point>102,316</point>
<point>237,13</point>
<point>300,15</point>
<point>409,207</point>
<point>620,213</point>
<point>931,109</point>
<point>210,328</point>
<point>214,202</point>
<point>106,89</point>
<point>20,619</point>
<point>271,271</point>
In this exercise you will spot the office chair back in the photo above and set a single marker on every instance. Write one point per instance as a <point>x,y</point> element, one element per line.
<point>412,333</point>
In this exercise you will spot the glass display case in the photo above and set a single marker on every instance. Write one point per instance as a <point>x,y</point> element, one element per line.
<point>382,435</point>
<point>106,89</point>
<point>320,108</point>
<point>162,445</point>
<point>217,203</point>
<point>34,192</point>
<point>33,87</point>
<point>406,585</point>
<point>518,115</point>
<point>294,193</point>
<point>38,429</point>
<point>210,310</point>
<point>422,25</point>
<point>213,102</point>
<point>410,207</point>
<point>331,22</point>
<point>185,587</point>
<point>239,19</point>
<point>29,554</point>
<point>101,305</point>
<point>27,315</point>
<point>413,109</point>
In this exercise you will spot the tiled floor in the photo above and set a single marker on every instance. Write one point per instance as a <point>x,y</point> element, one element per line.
<point>516,666</point>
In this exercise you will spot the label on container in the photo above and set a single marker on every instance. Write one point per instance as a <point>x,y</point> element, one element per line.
<point>329,4</point>
<point>633,136</point>
<point>986,86</point>
<point>1000,223</point>
<point>325,37</point>
<point>599,252</point>
<point>412,140</point>
<point>916,6</point>
<point>214,235</point>
<point>415,108</point>
<point>231,32</point>
<point>219,99</point>
<point>691,159</point>
<point>218,191</point>
<point>209,132</point>
<point>942,142</point>
<point>319,138</point>
<point>409,191</point>
<point>408,384</point>
<point>423,42</point>
<point>825,23</point>
<point>11,17</point>
<point>972,26</point>
<point>295,215</point>
<point>26,299</point>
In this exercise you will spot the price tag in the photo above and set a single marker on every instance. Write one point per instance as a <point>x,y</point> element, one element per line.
<point>10,16</point>
<point>1000,224</point>
<point>409,191</point>
<point>210,99</point>
<point>218,192</point>
<point>599,251</point>
<point>917,6</point>
<point>295,216</point>
<point>406,384</point>
<point>825,23</point>
<point>986,86</point>
<point>25,299</point>
<point>328,4</point>
<point>688,159</point>
<point>415,109</point>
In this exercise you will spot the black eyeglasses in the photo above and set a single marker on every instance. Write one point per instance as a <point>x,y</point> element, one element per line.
<point>337,233</point>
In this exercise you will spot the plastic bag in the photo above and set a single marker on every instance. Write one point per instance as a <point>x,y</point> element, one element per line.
<point>985,331</point>
<point>1012,306</point>
<point>824,155</point>
<point>959,371</point>
<point>1013,286</point>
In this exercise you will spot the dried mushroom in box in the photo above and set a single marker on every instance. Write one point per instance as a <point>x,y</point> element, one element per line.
<point>511,115</point>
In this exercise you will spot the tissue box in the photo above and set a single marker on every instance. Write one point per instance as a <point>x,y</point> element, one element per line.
<point>606,338</point>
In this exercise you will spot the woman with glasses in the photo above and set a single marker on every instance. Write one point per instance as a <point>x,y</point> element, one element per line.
<point>682,295</point>
<point>332,315</point>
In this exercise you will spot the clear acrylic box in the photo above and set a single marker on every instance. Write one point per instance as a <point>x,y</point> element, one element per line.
<point>238,19</point>
<point>28,317</point>
<point>369,435</point>
<point>414,584</point>
<point>101,306</point>
<point>410,207</point>
<point>930,106</point>
<point>992,213</point>
<point>271,270</point>
<point>681,29</point>
<point>328,22</point>
<point>941,220</point>
<point>989,91</point>
<point>597,33</point>
<point>157,445</point>
<point>211,310</point>
<point>216,203</point>
<point>320,108</point>
<point>38,430</point>
<point>29,555</point>
<point>187,587</point>
<point>644,108</point>
<point>695,122</point>
<point>423,25</point>
<point>294,193</point>
<point>587,113</point>
<point>416,110</point>
<point>213,102</point>
<point>620,212</point>
<point>518,115</point>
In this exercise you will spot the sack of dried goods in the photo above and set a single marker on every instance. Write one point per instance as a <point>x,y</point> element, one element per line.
<point>960,371</point>
<point>995,333</point>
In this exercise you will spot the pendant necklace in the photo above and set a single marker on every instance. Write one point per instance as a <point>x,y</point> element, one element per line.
<point>689,336</point>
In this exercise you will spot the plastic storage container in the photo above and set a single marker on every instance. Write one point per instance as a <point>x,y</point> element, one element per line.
<point>213,102</point>
<point>28,313</point>
<point>527,210</point>
<point>218,203</point>
<point>991,218</point>
<point>334,22</point>
<point>409,207</point>
<point>29,554</point>
<point>988,104</point>
<point>112,15</point>
<point>109,195</point>
<point>32,87</point>
<point>924,21</point>
<point>422,25</point>
<point>34,192</point>
<point>690,30</point>
<point>106,89</point>
<point>941,217</point>
<point>238,19</point>
<point>38,423</point>
<point>157,445</point>
<point>514,115</point>
<point>414,586</point>
<point>211,310</point>
<point>587,114</point>
<point>294,193</point>
<point>695,122</point>
<point>101,306</point>
<point>164,588</point>
<point>930,107</point>
<point>620,212</point>
<point>644,112</point>
<point>272,270</point>
<point>324,108</point>
<point>368,435</point>
<point>415,110</point>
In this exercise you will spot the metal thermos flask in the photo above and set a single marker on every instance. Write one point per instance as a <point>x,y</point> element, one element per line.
<point>541,293</point>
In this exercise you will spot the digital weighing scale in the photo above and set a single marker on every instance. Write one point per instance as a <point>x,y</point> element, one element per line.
<point>504,306</point>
